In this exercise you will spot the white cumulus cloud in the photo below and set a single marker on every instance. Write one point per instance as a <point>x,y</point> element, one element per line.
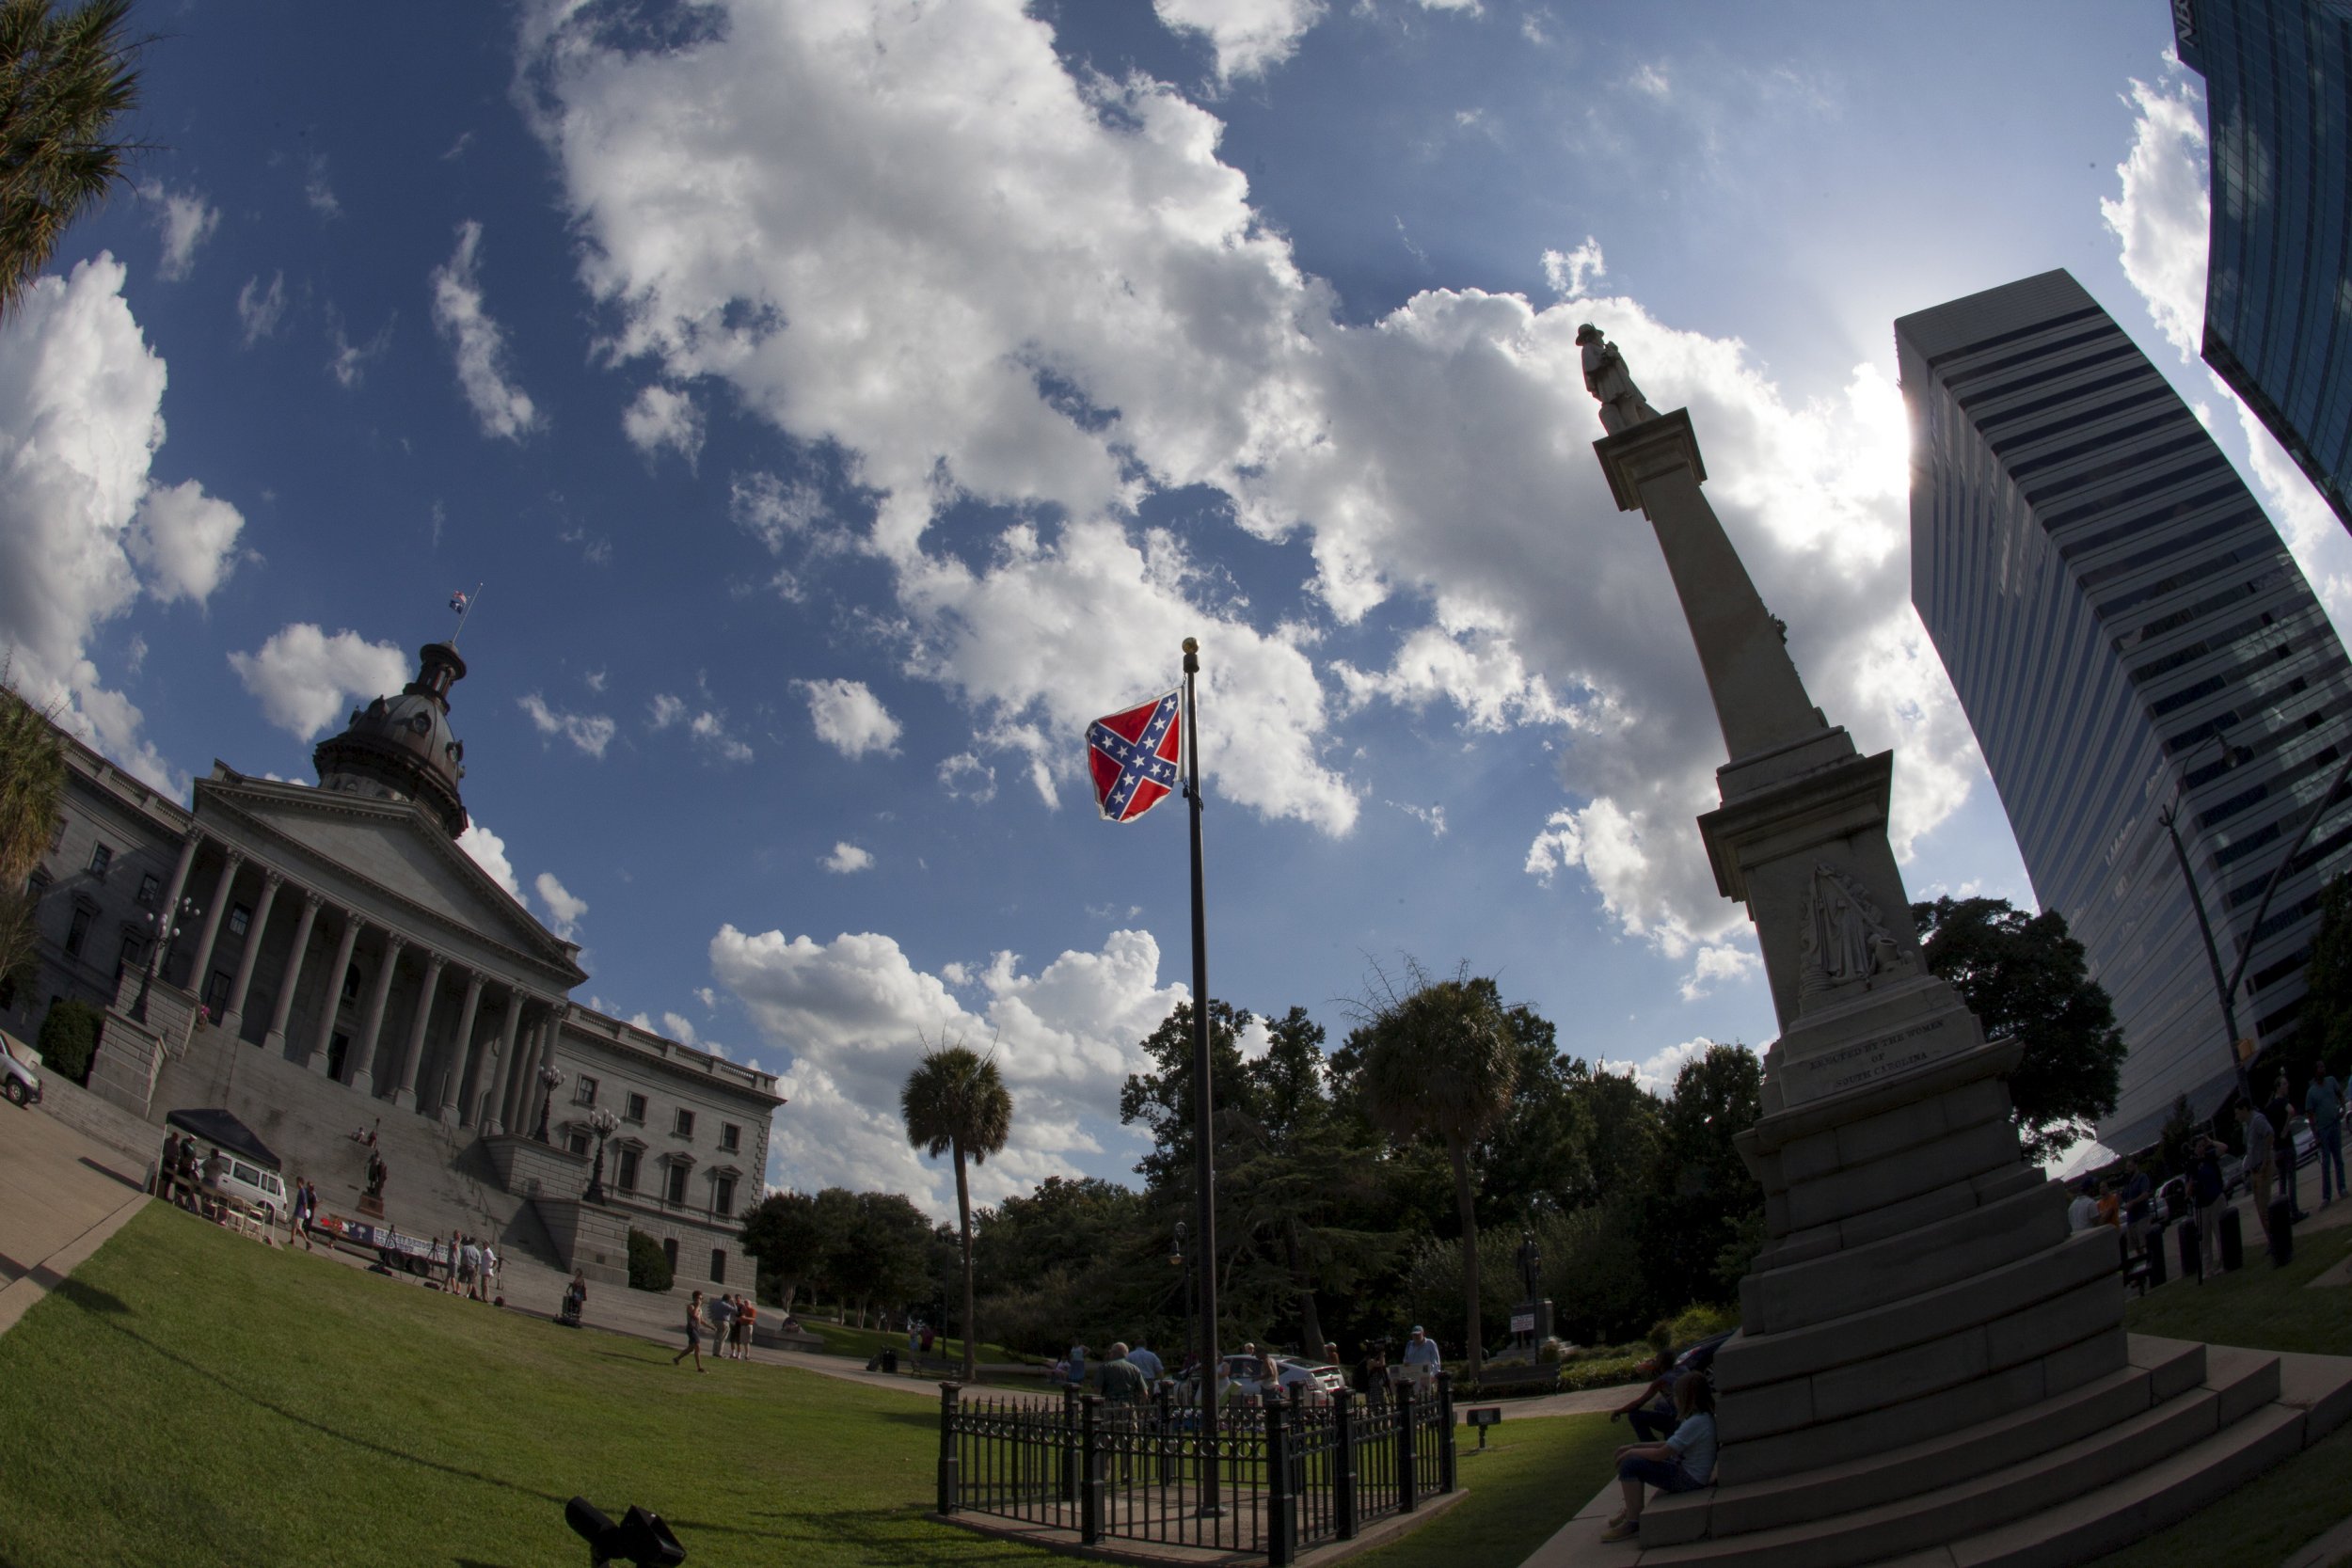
<point>848,718</point>
<point>308,681</point>
<point>2161,214</point>
<point>488,851</point>
<point>479,343</point>
<point>664,417</point>
<point>847,858</point>
<point>186,540</point>
<point>1250,37</point>
<point>591,732</point>
<point>185,220</point>
<point>564,910</point>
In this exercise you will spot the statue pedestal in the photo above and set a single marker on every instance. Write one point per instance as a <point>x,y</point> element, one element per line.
<point>1536,1317</point>
<point>1927,1358</point>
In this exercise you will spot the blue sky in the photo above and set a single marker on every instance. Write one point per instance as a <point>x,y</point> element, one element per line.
<point>840,401</point>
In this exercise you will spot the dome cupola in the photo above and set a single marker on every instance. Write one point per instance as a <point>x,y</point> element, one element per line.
<point>401,748</point>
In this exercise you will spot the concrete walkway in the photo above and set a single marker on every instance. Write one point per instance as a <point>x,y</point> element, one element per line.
<point>61,1194</point>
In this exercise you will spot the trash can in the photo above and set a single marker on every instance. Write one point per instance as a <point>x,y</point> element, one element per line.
<point>890,1359</point>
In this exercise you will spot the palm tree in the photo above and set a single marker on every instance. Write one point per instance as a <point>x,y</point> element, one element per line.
<point>955,1102</point>
<point>32,787</point>
<point>64,79</point>
<point>1439,1061</point>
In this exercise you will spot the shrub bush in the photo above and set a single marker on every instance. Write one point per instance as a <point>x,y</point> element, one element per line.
<point>648,1265</point>
<point>69,1038</point>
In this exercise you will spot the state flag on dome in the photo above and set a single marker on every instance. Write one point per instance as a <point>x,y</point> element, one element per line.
<point>457,601</point>
<point>1133,757</point>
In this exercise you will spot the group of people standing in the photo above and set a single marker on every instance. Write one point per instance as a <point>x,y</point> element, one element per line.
<point>470,1267</point>
<point>729,1320</point>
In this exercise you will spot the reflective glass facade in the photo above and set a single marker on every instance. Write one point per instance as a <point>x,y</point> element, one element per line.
<point>2124,630</point>
<point>2278,284</point>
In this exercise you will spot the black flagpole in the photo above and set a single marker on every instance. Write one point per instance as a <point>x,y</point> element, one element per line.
<point>1204,1095</point>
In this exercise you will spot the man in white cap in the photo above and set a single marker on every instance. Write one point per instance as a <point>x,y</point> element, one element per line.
<point>1421,1357</point>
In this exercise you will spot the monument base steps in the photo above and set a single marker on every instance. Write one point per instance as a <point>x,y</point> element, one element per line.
<point>2060,1483</point>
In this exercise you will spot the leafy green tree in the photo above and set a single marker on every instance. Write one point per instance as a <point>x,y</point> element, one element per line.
<point>32,788</point>
<point>2323,1030</point>
<point>65,77</point>
<point>1439,1062</point>
<point>2176,1141</point>
<point>2023,976</point>
<point>955,1103</point>
<point>1701,1190</point>
<point>787,1236</point>
<point>1162,1098</point>
<point>887,1253</point>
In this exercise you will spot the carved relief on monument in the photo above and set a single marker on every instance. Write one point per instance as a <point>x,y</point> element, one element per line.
<point>1842,941</point>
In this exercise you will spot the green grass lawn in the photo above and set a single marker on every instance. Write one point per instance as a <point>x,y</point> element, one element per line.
<point>189,1397</point>
<point>1530,1480</point>
<point>864,1342</point>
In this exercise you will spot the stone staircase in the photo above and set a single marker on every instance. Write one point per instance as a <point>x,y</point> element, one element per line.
<point>2077,1475</point>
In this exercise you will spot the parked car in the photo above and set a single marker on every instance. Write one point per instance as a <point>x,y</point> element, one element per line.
<point>1244,1375</point>
<point>18,1080</point>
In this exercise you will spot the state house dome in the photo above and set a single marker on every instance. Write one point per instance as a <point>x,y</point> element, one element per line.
<point>401,748</point>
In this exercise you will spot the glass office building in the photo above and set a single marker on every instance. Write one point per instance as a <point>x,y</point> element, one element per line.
<point>2279,281</point>
<point>2126,634</point>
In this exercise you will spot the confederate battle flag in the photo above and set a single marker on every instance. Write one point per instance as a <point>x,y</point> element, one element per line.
<point>1133,757</point>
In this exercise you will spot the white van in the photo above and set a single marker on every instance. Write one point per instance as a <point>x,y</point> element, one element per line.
<point>18,1079</point>
<point>242,1180</point>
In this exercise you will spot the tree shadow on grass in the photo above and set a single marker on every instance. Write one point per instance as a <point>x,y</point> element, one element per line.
<point>901,1536</point>
<point>90,1298</point>
<point>226,1386</point>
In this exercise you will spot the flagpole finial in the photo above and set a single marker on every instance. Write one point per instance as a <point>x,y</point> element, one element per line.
<point>1192,644</point>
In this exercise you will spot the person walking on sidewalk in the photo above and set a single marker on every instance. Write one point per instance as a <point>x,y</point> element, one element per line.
<point>694,1334</point>
<point>2323,1103</point>
<point>2211,1195</point>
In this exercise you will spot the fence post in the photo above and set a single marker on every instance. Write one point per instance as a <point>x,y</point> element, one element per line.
<point>950,1466</point>
<point>1281,1528</point>
<point>1407,1493</point>
<point>1343,1464</point>
<point>1091,1497</point>
<point>1166,1435</point>
<point>1445,1430</point>
<point>1068,1445</point>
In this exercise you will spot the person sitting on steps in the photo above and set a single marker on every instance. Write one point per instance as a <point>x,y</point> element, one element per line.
<point>1685,1462</point>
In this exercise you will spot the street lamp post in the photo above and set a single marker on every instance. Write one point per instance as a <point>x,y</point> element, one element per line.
<point>1177,1260</point>
<point>167,926</point>
<point>602,1122</point>
<point>551,1076</point>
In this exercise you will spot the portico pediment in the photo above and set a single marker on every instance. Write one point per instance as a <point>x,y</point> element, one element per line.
<point>387,847</point>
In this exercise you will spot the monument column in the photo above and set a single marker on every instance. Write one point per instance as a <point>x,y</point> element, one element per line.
<point>412,1057</point>
<point>457,1076</point>
<point>178,885</point>
<point>332,1002</point>
<point>492,1113</point>
<point>233,1019</point>
<point>221,891</point>
<point>276,1039</point>
<point>362,1062</point>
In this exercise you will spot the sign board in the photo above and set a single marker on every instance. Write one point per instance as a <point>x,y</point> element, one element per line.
<point>1490,1415</point>
<point>1522,1323</point>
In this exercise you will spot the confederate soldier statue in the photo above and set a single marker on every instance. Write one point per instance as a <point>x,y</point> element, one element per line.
<point>1622,406</point>
<point>1531,1264</point>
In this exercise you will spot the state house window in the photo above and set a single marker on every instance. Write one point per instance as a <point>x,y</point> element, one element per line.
<point>149,888</point>
<point>677,1184</point>
<point>718,1265</point>
<point>669,1250</point>
<point>636,1111</point>
<point>351,984</point>
<point>78,932</point>
<point>216,991</point>
<point>586,1094</point>
<point>134,951</point>
<point>626,1180</point>
<point>577,1141</point>
<point>240,920</point>
<point>722,1196</point>
<point>684,1125</point>
<point>730,1136</point>
<point>101,857</point>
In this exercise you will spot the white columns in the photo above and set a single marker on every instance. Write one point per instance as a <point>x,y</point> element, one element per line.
<point>362,1061</point>
<point>491,1113</point>
<point>333,1000</point>
<point>233,1019</point>
<point>221,891</point>
<point>412,1057</point>
<point>166,913</point>
<point>457,1075</point>
<point>276,1039</point>
<point>520,1072</point>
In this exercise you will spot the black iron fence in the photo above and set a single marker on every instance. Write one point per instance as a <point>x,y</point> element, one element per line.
<point>1276,1479</point>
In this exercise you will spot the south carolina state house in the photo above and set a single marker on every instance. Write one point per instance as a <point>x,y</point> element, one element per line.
<point>334,968</point>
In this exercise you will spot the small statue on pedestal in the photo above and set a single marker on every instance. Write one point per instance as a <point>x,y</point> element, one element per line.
<point>1622,406</point>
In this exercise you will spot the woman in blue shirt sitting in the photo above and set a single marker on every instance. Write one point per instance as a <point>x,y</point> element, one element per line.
<point>1683,1463</point>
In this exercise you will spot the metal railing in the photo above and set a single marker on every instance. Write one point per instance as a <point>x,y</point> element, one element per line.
<point>1277,1478</point>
